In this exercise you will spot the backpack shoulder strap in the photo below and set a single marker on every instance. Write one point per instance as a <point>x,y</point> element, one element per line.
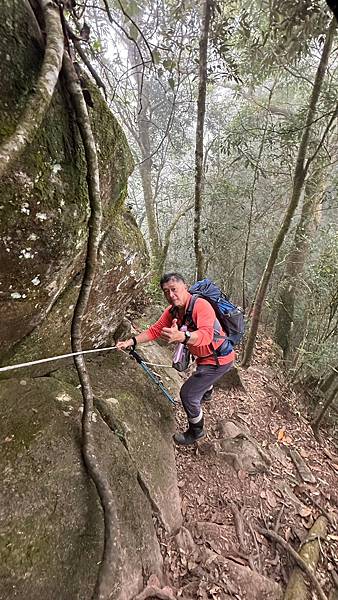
<point>187,319</point>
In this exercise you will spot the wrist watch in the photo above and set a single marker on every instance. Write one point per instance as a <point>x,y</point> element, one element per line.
<point>187,336</point>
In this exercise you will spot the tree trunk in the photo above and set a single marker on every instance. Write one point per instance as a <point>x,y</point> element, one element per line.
<point>199,172</point>
<point>252,198</point>
<point>39,101</point>
<point>141,134</point>
<point>149,202</point>
<point>301,169</point>
<point>326,384</point>
<point>318,419</point>
<point>286,335</point>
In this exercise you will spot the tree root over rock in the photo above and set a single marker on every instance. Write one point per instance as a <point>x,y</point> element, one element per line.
<point>310,553</point>
<point>306,560</point>
<point>40,99</point>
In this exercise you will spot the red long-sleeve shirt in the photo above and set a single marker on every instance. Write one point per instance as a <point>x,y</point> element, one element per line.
<point>204,317</point>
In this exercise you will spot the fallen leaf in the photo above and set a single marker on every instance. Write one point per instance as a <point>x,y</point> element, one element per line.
<point>281,434</point>
<point>305,512</point>
<point>241,475</point>
<point>253,487</point>
<point>300,488</point>
<point>303,453</point>
<point>262,494</point>
<point>271,498</point>
<point>184,506</point>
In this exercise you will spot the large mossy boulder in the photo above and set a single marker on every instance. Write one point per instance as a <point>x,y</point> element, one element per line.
<point>51,532</point>
<point>44,211</point>
<point>51,521</point>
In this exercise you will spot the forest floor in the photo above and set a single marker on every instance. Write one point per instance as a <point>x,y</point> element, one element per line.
<point>232,487</point>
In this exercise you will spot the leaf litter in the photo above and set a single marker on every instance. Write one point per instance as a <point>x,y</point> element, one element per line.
<point>223,556</point>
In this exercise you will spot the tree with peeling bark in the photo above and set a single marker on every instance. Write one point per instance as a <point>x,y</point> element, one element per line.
<point>301,169</point>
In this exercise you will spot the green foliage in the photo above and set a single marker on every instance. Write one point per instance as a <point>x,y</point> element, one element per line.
<point>262,58</point>
<point>320,309</point>
<point>261,38</point>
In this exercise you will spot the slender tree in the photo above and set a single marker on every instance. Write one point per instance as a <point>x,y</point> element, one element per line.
<point>295,262</point>
<point>315,423</point>
<point>199,150</point>
<point>300,173</point>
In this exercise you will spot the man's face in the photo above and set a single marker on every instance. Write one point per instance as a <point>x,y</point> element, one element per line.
<point>175,292</point>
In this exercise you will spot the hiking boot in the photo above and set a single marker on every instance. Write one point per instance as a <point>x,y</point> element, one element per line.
<point>207,395</point>
<point>194,433</point>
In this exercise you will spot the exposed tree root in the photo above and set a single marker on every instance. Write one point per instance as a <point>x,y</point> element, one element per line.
<point>104,583</point>
<point>239,525</point>
<point>310,553</point>
<point>320,508</point>
<point>297,558</point>
<point>39,101</point>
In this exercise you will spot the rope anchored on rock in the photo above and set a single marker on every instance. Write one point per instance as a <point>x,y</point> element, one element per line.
<point>145,365</point>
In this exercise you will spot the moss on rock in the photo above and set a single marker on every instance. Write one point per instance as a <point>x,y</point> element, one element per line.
<point>51,535</point>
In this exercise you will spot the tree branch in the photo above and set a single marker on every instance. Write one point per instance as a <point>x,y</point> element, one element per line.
<point>39,101</point>
<point>90,67</point>
<point>129,37</point>
<point>138,29</point>
<point>311,158</point>
<point>104,583</point>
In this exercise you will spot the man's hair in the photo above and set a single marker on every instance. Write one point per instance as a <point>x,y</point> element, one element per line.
<point>168,276</point>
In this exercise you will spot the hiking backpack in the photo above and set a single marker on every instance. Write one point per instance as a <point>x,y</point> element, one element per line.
<point>230,317</point>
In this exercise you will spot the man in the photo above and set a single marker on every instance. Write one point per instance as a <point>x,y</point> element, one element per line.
<point>206,341</point>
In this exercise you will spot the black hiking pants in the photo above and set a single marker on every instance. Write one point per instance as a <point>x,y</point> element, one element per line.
<point>193,389</point>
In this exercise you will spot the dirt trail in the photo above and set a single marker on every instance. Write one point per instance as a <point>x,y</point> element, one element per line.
<point>219,554</point>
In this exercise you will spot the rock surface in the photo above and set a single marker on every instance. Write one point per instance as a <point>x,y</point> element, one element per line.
<point>44,212</point>
<point>52,531</point>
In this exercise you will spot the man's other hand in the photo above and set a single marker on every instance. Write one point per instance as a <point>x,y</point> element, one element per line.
<point>172,334</point>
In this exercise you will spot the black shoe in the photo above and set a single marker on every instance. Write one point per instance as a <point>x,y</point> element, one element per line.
<point>194,433</point>
<point>207,396</point>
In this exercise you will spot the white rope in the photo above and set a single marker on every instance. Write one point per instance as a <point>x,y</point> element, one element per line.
<point>51,358</point>
<point>59,357</point>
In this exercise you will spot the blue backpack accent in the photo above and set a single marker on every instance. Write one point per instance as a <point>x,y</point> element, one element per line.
<point>231,317</point>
